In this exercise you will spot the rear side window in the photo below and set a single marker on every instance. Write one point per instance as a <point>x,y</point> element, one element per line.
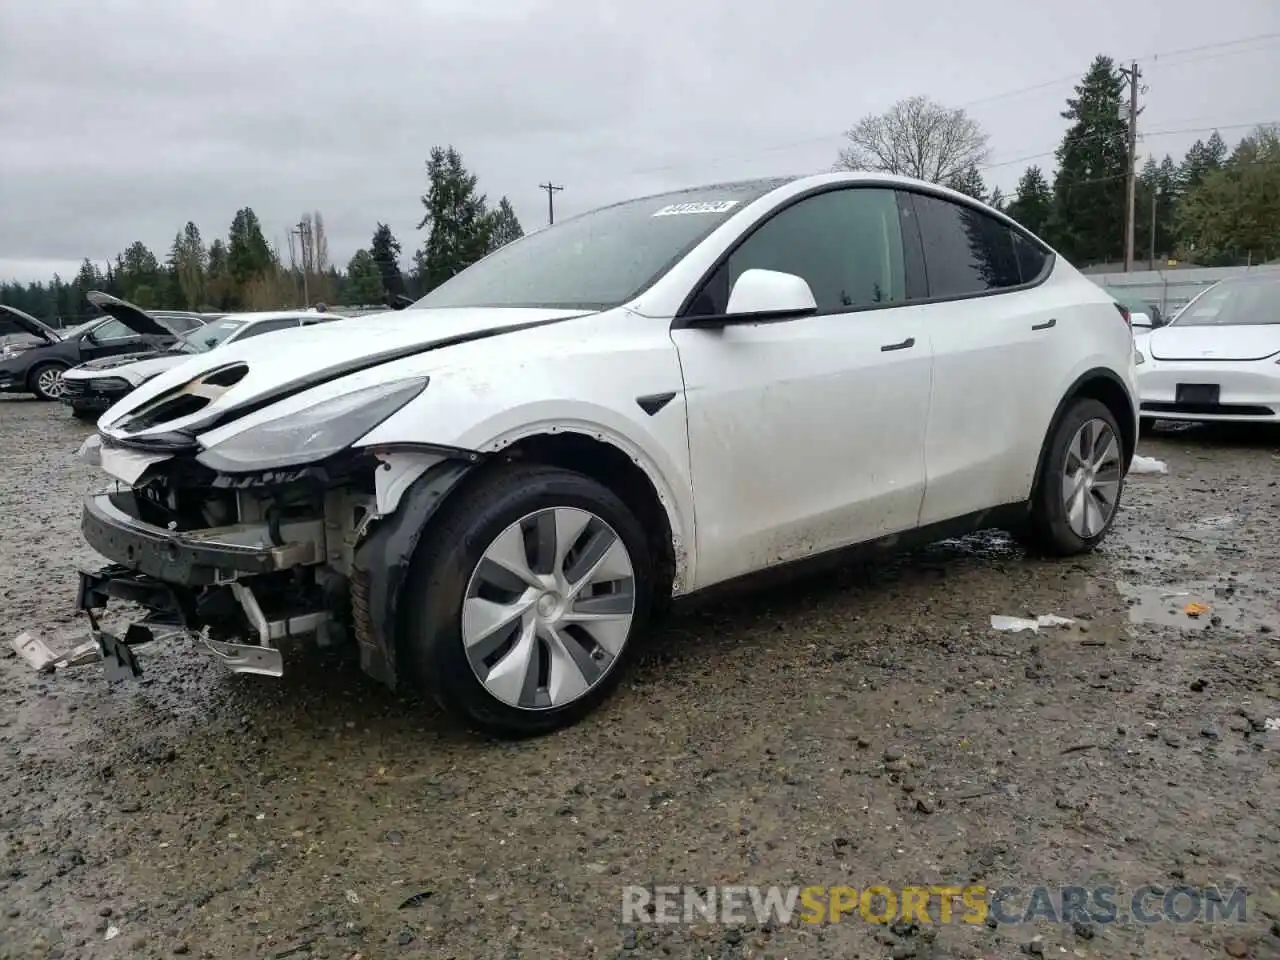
<point>967,252</point>
<point>1032,258</point>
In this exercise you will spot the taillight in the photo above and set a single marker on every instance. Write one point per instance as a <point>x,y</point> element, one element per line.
<point>1124,312</point>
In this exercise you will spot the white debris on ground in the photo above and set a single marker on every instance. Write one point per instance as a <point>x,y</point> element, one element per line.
<point>1142,464</point>
<point>1272,724</point>
<point>1018,624</point>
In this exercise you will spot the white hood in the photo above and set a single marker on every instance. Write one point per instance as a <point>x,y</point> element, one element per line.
<point>1244,341</point>
<point>134,368</point>
<point>313,351</point>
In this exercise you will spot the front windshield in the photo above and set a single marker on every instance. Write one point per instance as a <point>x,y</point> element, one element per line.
<point>1243,301</point>
<point>208,336</point>
<point>599,259</point>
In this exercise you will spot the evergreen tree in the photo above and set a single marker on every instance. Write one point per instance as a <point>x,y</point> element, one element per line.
<point>385,251</point>
<point>248,256</point>
<point>188,262</point>
<point>503,225</point>
<point>1232,217</point>
<point>969,182</point>
<point>456,217</point>
<point>1089,190</point>
<point>1032,204</point>
<point>364,280</point>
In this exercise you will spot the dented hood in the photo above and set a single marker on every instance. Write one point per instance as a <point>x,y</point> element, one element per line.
<point>13,320</point>
<point>316,354</point>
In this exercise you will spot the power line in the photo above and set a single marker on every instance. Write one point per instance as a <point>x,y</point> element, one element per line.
<point>1145,136</point>
<point>1008,94</point>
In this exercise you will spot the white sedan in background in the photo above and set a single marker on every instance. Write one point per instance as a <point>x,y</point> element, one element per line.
<point>1219,359</point>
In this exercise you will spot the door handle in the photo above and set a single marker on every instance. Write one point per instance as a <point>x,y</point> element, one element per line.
<point>1046,325</point>
<point>906,344</point>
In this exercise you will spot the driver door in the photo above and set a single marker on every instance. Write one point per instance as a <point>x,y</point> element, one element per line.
<point>807,435</point>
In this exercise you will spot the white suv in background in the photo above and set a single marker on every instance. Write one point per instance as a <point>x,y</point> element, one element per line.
<point>491,491</point>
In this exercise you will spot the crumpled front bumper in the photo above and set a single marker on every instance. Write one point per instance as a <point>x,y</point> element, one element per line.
<point>195,558</point>
<point>166,571</point>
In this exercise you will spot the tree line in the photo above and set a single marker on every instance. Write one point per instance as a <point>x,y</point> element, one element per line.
<point>1218,206</point>
<point>245,272</point>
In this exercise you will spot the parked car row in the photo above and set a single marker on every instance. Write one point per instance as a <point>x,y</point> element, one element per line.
<point>39,355</point>
<point>91,366</point>
<point>91,388</point>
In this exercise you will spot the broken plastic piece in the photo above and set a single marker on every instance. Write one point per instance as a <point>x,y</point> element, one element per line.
<point>1147,465</point>
<point>1194,609</point>
<point>1018,624</point>
<point>43,660</point>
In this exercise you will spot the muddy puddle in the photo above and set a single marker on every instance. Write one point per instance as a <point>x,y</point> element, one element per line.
<point>1236,604</point>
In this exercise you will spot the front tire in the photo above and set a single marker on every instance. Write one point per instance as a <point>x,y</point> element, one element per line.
<point>85,415</point>
<point>46,380</point>
<point>529,595</point>
<point>1081,482</point>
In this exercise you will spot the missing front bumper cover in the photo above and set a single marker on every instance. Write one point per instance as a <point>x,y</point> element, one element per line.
<point>173,613</point>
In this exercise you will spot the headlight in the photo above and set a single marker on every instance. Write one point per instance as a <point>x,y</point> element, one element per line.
<point>314,433</point>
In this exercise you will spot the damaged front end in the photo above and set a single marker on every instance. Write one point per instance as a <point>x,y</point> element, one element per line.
<point>245,562</point>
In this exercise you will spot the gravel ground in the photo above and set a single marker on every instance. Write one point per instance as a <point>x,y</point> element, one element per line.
<point>867,727</point>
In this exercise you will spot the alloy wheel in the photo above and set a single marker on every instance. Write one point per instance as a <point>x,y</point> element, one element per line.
<point>549,608</point>
<point>1091,478</point>
<point>49,383</point>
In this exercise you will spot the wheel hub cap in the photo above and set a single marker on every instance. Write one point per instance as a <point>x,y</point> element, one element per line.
<point>549,608</point>
<point>1091,478</point>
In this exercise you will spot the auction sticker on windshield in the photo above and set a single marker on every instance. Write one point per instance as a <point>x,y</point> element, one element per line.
<point>702,206</point>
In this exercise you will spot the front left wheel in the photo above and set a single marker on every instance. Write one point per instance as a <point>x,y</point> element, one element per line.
<point>46,381</point>
<point>528,596</point>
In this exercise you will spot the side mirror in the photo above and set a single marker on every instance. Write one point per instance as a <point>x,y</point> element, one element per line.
<point>772,293</point>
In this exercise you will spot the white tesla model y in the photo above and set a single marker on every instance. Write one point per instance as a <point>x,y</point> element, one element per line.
<point>490,492</point>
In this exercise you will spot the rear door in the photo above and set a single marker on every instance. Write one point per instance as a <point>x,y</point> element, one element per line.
<point>994,337</point>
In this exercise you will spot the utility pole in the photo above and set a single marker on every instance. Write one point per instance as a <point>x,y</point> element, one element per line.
<point>302,234</point>
<point>1155,201</point>
<point>551,189</point>
<point>1133,74</point>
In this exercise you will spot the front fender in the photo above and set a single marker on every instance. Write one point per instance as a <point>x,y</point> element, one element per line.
<point>381,564</point>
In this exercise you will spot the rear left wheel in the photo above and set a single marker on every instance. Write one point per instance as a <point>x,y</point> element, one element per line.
<point>531,592</point>
<point>1081,481</point>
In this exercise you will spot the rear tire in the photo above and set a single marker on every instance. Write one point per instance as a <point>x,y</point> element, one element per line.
<point>1081,482</point>
<point>497,649</point>
<point>45,380</point>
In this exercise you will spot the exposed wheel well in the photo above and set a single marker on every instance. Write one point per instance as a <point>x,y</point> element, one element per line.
<point>612,468</point>
<point>1106,388</point>
<point>1113,396</point>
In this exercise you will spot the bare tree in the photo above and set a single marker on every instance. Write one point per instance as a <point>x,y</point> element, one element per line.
<point>916,137</point>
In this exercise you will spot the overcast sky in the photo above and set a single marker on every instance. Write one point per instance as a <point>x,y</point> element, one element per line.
<point>120,121</point>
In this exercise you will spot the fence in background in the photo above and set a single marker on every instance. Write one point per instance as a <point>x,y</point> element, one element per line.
<point>1170,290</point>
